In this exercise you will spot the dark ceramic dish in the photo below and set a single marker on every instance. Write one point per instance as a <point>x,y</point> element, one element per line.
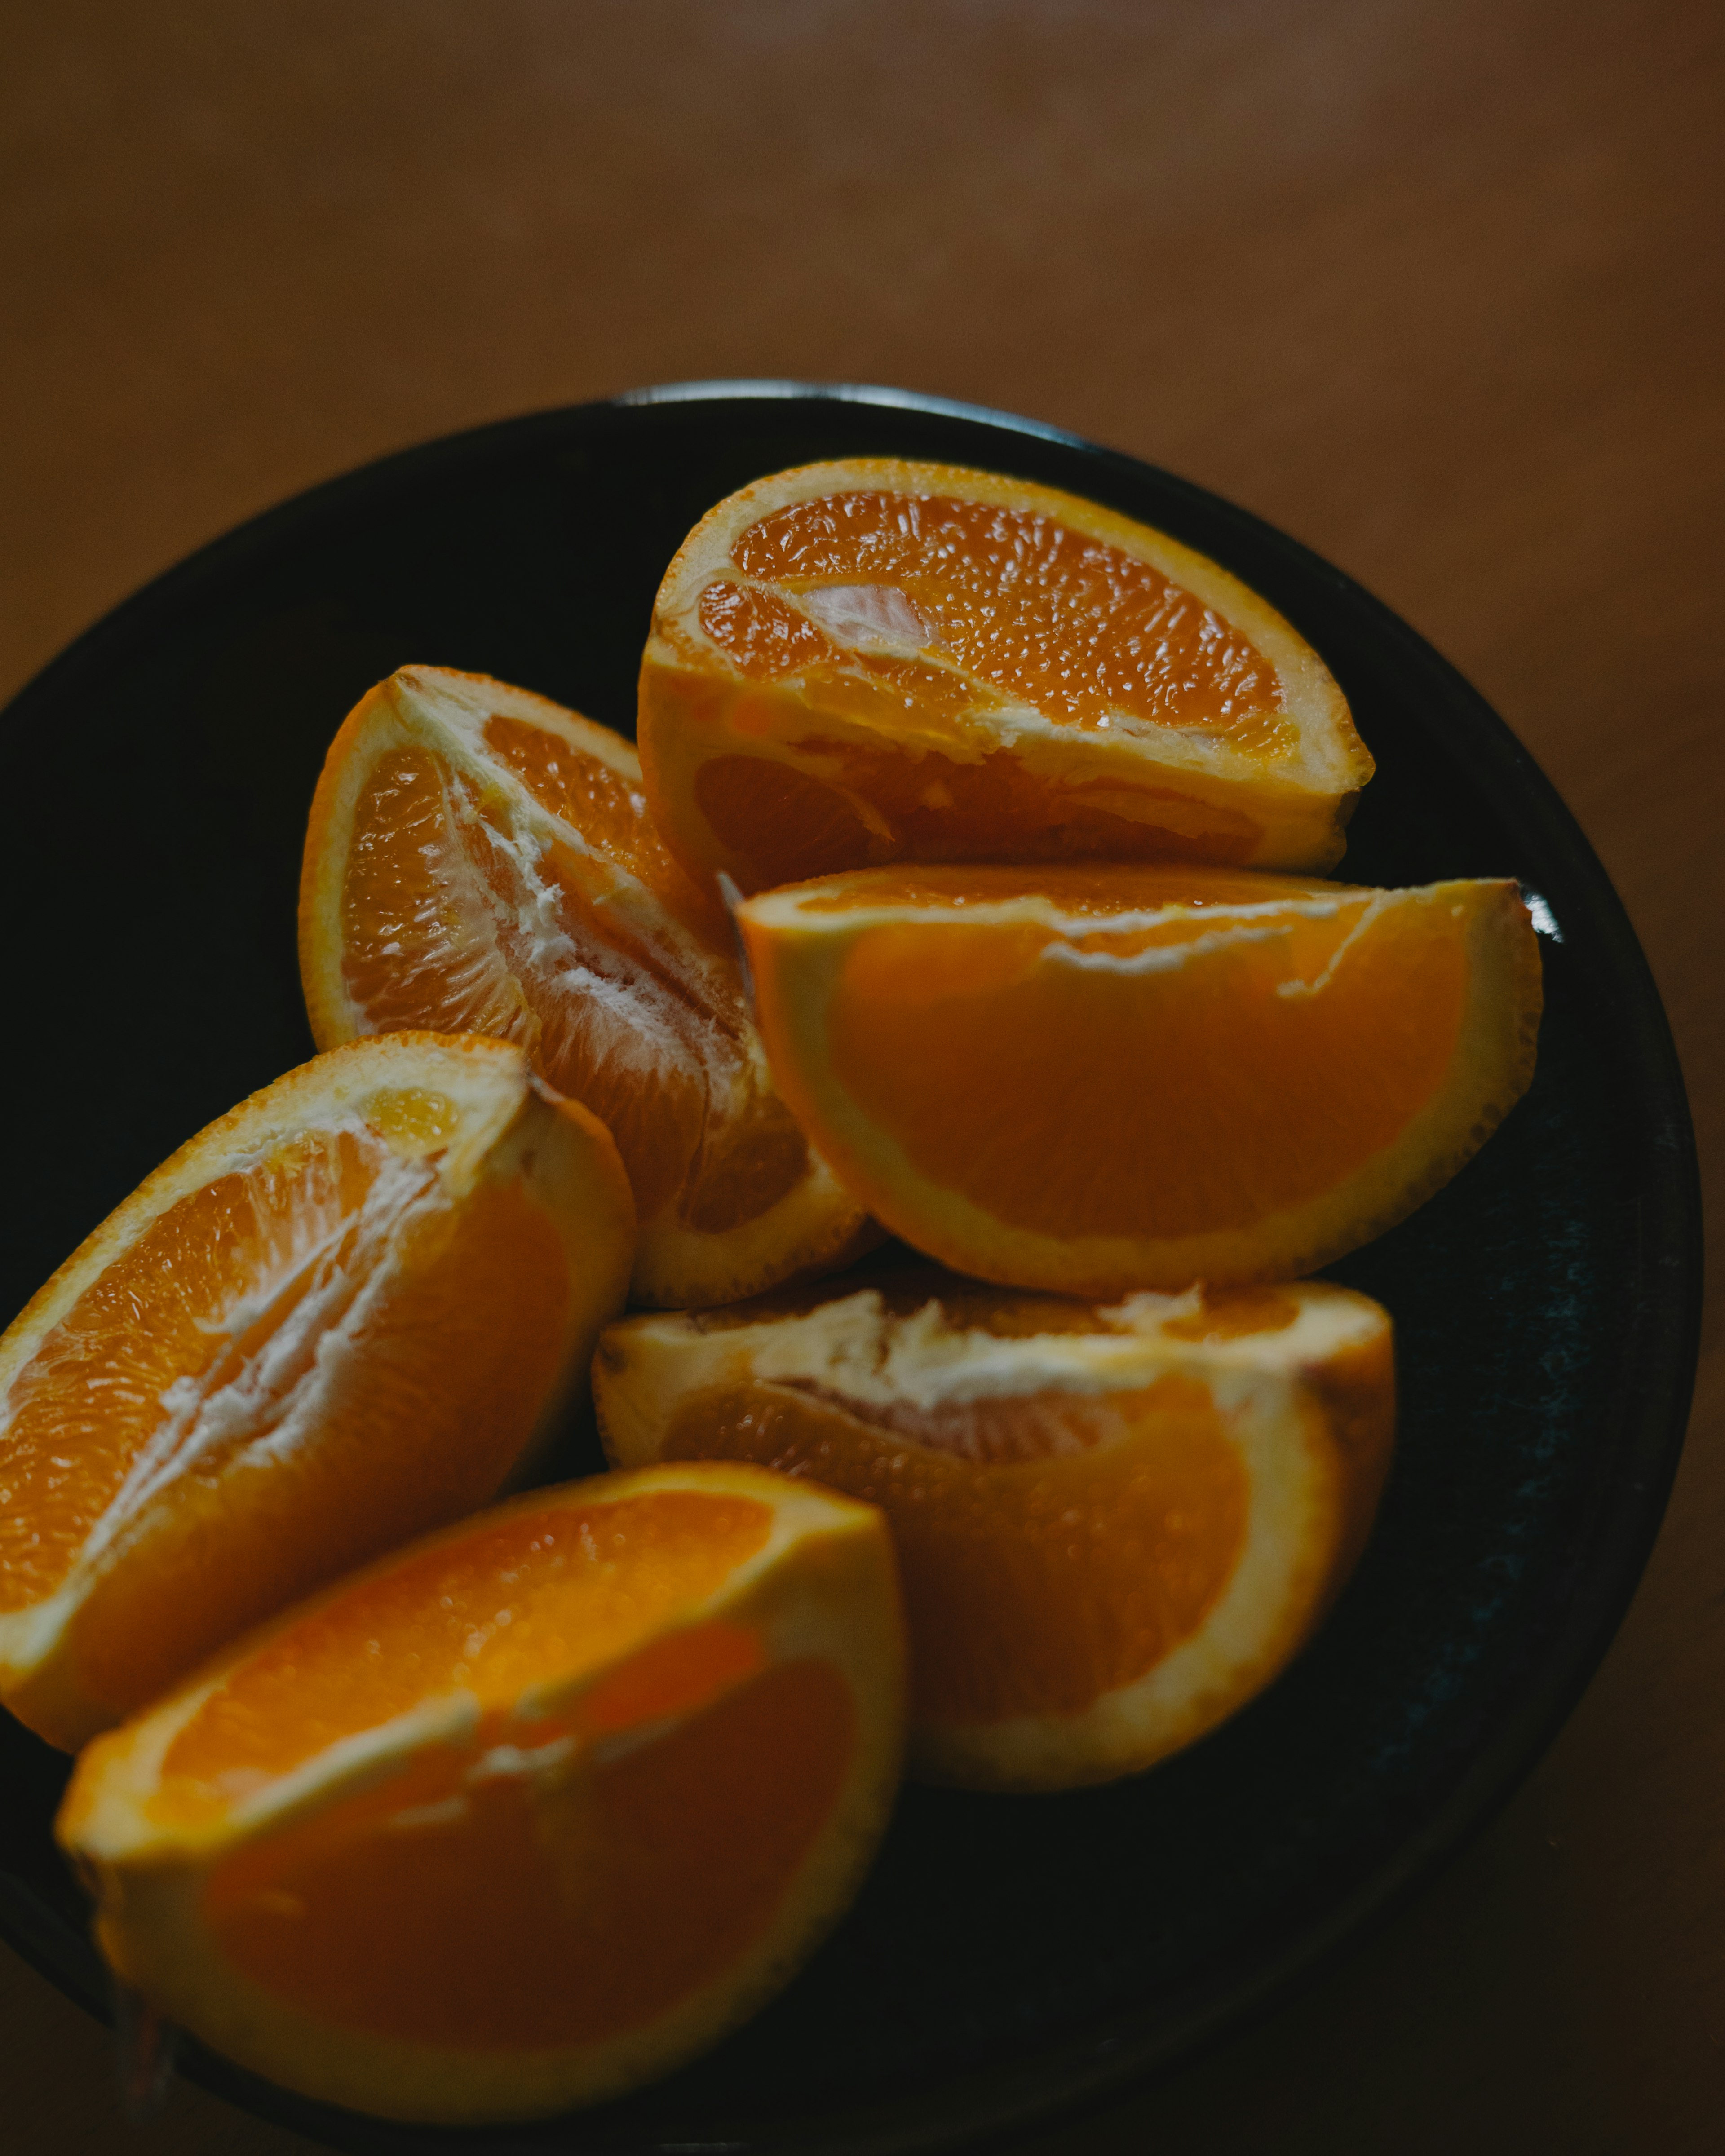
<point>1009,1957</point>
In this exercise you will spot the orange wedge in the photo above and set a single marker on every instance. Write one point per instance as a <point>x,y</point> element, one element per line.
<point>335,1319</point>
<point>480,861</point>
<point>871,661</point>
<point>1097,1079</point>
<point>1114,1525</point>
<point>522,1816</point>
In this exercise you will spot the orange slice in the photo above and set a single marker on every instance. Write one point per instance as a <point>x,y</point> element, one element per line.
<point>524,1815</point>
<point>1114,1525</point>
<point>335,1319</point>
<point>1098,1079</point>
<point>480,861</point>
<point>870,661</point>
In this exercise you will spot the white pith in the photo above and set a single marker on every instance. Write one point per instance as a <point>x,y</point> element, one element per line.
<point>858,1352</point>
<point>1236,926</point>
<point>799,908</point>
<point>868,617</point>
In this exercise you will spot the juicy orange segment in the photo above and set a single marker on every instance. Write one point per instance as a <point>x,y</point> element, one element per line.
<point>1114,1525</point>
<point>526,1815</point>
<point>1095,1078</point>
<point>480,860</point>
<point>868,661</point>
<point>333,1320</point>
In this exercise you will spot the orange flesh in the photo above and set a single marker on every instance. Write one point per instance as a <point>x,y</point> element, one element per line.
<point>211,1334</point>
<point>549,1593</point>
<point>789,823</point>
<point>455,920</point>
<point>1029,608</point>
<point>1236,1314</point>
<point>1068,1563</point>
<point>581,790</point>
<point>590,1901</point>
<point>781,824</point>
<point>584,792</point>
<point>1101,889</point>
<point>1356,1385</point>
<point>84,1407</point>
<point>1155,1104</point>
<point>596,1888</point>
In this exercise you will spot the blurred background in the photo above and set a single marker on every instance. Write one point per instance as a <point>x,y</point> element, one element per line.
<point>1436,285</point>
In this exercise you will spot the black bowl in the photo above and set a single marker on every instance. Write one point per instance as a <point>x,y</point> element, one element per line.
<point>1009,1957</point>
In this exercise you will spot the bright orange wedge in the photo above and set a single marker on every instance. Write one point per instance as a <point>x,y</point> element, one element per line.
<point>335,1319</point>
<point>1114,1525</point>
<point>1099,1079</point>
<point>522,1816</point>
<point>871,661</point>
<point>479,858</point>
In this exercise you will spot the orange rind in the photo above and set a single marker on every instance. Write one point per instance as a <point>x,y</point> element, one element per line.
<point>1093,1079</point>
<point>868,661</point>
<point>1114,1525</point>
<point>336,1318</point>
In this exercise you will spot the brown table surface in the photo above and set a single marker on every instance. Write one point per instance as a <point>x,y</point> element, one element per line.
<point>1436,286</point>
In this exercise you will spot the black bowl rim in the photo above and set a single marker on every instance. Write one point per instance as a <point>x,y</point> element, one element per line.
<point>1076,2073</point>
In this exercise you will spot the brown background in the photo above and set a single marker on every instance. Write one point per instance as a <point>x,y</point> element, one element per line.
<point>1435,285</point>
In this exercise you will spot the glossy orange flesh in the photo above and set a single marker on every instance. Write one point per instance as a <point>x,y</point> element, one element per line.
<point>1016,608</point>
<point>546,1592</point>
<point>1156,1104</point>
<point>1051,1548</point>
<point>791,823</point>
<point>86,1405</point>
<point>1027,607</point>
<point>455,918</point>
<point>149,1414</point>
<point>599,1882</point>
<point>582,791</point>
<point>587,1906</point>
<point>1083,889</point>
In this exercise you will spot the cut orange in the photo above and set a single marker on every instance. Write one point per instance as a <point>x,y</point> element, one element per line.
<point>479,859</point>
<point>870,661</point>
<point>1114,1525</point>
<point>522,1816</point>
<point>335,1319</point>
<point>1098,1079</point>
